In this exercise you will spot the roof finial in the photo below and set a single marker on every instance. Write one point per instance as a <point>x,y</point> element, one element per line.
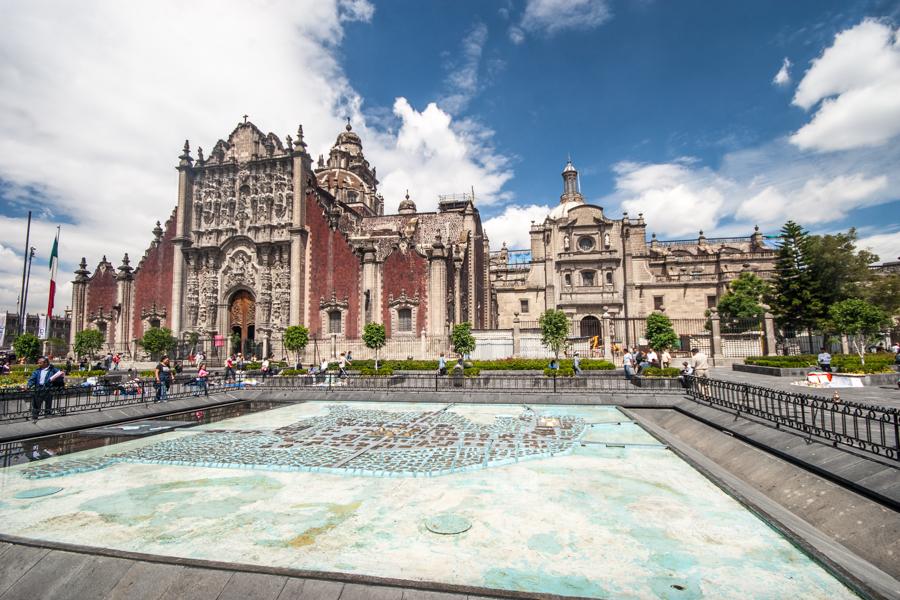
<point>245,118</point>
<point>348,126</point>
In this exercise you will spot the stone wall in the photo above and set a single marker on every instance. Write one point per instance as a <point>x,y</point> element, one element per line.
<point>153,280</point>
<point>405,274</point>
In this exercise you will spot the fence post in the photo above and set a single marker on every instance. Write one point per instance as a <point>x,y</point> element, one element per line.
<point>554,382</point>
<point>423,345</point>
<point>845,344</point>
<point>716,341</point>
<point>769,325</point>
<point>516,333</point>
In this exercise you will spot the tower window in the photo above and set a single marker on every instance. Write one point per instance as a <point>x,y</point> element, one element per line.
<point>404,320</point>
<point>334,321</point>
<point>710,302</point>
<point>657,302</point>
<point>523,306</point>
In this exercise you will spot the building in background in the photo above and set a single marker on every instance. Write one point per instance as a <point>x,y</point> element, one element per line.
<point>260,240</point>
<point>59,328</point>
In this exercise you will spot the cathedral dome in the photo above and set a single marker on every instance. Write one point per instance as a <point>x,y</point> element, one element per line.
<point>407,206</point>
<point>562,209</point>
<point>348,137</point>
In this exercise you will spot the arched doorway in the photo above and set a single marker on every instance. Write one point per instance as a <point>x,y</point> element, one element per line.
<point>590,326</point>
<point>242,321</point>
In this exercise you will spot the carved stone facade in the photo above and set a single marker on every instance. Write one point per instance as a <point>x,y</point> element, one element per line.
<point>258,229</point>
<point>587,265</point>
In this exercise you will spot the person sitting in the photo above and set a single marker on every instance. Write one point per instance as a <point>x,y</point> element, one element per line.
<point>824,360</point>
<point>686,371</point>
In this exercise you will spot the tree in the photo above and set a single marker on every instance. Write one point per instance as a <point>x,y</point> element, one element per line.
<point>56,346</point>
<point>462,340</point>
<point>374,338</point>
<point>554,326</point>
<point>742,301</point>
<point>87,342</point>
<point>839,269</point>
<point>660,334</point>
<point>884,292</point>
<point>27,346</point>
<point>157,340</point>
<point>296,337</point>
<point>794,297</point>
<point>859,321</point>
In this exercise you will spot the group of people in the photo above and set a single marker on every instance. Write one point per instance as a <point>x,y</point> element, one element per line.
<point>636,360</point>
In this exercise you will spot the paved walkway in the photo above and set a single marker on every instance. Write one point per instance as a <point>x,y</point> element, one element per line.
<point>28,571</point>
<point>878,395</point>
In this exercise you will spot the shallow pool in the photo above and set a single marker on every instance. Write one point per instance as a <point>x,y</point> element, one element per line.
<point>569,500</point>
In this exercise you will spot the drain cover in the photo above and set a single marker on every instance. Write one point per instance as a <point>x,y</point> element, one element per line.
<point>448,524</point>
<point>37,492</point>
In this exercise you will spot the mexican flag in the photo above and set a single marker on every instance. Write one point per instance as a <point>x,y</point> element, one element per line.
<point>54,264</point>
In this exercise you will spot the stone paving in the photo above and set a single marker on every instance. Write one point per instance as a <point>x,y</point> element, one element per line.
<point>355,441</point>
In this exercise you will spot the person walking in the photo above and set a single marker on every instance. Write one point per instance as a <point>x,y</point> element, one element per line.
<point>342,366</point>
<point>264,367</point>
<point>824,360</point>
<point>42,381</point>
<point>229,369</point>
<point>108,361</point>
<point>202,380</point>
<point>442,364</point>
<point>576,364</point>
<point>628,363</point>
<point>665,358</point>
<point>116,359</point>
<point>699,363</point>
<point>163,375</point>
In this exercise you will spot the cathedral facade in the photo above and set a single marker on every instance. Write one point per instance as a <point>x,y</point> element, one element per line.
<point>589,265</point>
<point>262,239</point>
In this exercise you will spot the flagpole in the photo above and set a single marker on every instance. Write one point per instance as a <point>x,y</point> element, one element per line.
<point>24,271</point>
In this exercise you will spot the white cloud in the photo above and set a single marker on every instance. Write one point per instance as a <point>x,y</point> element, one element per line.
<point>674,198</point>
<point>97,98</point>
<point>463,79</point>
<point>511,226</point>
<point>356,10</point>
<point>856,85</point>
<point>783,76</point>
<point>550,17</point>
<point>885,245</point>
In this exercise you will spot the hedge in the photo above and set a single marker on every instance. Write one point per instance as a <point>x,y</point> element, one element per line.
<point>560,372</point>
<point>845,363</point>
<point>506,364</point>
<point>658,372</point>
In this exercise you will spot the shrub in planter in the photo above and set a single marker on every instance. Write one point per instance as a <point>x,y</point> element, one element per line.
<point>292,372</point>
<point>659,372</point>
<point>383,371</point>
<point>875,363</point>
<point>785,362</point>
<point>560,372</point>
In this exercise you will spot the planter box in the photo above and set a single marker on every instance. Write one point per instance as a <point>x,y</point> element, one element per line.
<point>773,371</point>
<point>660,383</point>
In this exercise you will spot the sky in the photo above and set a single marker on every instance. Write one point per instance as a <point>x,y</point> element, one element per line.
<point>713,116</point>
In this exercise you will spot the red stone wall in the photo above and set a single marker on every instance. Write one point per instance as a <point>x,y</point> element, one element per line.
<point>101,293</point>
<point>332,266</point>
<point>405,272</point>
<point>153,279</point>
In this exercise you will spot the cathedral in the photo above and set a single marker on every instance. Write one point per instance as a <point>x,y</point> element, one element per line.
<point>261,238</point>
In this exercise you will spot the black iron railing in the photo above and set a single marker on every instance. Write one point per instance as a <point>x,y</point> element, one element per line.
<point>19,404</point>
<point>869,428</point>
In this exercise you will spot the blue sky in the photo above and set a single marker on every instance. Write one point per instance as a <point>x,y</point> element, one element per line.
<point>701,115</point>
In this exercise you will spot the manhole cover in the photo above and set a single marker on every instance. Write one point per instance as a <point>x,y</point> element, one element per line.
<point>37,492</point>
<point>448,524</point>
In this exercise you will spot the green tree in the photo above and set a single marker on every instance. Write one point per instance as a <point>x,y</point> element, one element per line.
<point>157,340</point>
<point>554,326</point>
<point>27,346</point>
<point>859,320</point>
<point>87,342</point>
<point>794,295</point>
<point>462,340</point>
<point>296,337</point>
<point>742,301</point>
<point>660,333</point>
<point>839,269</point>
<point>56,346</point>
<point>374,337</point>
<point>884,292</point>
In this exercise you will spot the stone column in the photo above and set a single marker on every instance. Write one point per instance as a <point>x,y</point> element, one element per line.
<point>125,300</point>
<point>182,236</point>
<point>457,289</point>
<point>301,170</point>
<point>79,301</point>
<point>769,326</point>
<point>517,336</point>
<point>845,344</point>
<point>716,345</point>
<point>423,345</point>
<point>437,288</point>
<point>334,345</point>
<point>607,336</point>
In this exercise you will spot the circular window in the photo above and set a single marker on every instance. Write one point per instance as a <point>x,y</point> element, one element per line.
<point>585,244</point>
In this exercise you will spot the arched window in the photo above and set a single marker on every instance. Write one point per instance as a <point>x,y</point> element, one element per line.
<point>404,320</point>
<point>334,321</point>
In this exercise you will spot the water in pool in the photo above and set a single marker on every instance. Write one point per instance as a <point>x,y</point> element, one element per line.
<point>571,500</point>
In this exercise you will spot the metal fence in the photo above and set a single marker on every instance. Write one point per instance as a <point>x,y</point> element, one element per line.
<point>18,404</point>
<point>870,428</point>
